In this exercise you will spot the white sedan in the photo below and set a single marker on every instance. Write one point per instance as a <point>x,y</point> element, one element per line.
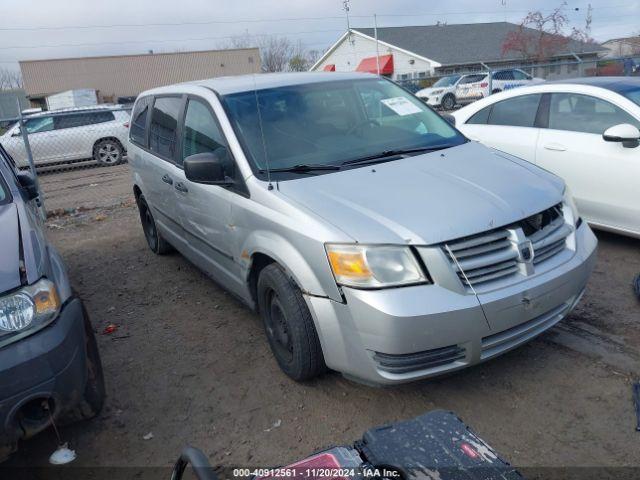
<point>587,131</point>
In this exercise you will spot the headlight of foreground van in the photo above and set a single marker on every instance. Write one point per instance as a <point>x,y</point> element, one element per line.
<point>568,203</point>
<point>374,266</point>
<point>29,307</point>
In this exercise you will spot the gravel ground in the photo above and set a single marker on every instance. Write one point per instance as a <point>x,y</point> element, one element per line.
<point>191,365</point>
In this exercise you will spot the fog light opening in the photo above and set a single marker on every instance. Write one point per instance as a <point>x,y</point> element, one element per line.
<point>35,415</point>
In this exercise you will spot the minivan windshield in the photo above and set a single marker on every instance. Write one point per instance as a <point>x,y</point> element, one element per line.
<point>329,123</point>
<point>447,81</point>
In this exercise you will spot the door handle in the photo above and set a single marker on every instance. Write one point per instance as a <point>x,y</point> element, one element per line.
<point>181,188</point>
<point>167,179</point>
<point>556,147</point>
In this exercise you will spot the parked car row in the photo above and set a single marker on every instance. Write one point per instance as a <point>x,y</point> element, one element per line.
<point>453,90</point>
<point>80,133</point>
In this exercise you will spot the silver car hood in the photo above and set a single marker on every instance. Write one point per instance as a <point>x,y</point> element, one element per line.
<point>430,198</point>
<point>9,248</point>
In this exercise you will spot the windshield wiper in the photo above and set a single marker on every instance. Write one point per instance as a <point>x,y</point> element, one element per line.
<point>303,168</point>
<point>386,154</point>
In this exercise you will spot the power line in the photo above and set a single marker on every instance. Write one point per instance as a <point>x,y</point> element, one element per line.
<point>281,19</point>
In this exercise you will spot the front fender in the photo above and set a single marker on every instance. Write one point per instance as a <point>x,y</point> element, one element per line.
<point>310,270</point>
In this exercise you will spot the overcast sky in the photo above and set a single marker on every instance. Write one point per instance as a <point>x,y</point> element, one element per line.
<point>35,29</point>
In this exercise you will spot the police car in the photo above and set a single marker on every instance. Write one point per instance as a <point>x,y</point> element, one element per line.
<point>482,85</point>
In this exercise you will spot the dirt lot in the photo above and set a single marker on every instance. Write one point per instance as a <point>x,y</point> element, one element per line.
<point>191,365</point>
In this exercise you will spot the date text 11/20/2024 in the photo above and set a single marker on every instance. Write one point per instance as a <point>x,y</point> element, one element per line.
<point>306,472</point>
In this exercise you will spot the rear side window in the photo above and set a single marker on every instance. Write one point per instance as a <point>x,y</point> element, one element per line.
<point>137,131</point>
<point>582,113</point>
<point>481,117</point>
<point>515,112</point>
<point>164,126</point>
<point>472,79</point>
<point>82,119</point>
<point>503,75</point>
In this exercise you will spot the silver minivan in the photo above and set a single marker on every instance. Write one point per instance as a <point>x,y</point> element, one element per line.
<point>372,237</point>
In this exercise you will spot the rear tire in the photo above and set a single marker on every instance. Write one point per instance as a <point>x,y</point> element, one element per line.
<point>289,326</point>
<point>496,90</point>
<point>94,393</point>
<point>448,102</point>
<point>108,152</point>
<point>155,240</point>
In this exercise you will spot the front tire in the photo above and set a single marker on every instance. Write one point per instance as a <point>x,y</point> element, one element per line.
<point>94,394</point>
<point>289,326</point>
<point>108,152</point>
<point>155,240</point>
<point>448,102</point>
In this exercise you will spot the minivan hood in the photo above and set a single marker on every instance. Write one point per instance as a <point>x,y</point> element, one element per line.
<point>430,198</point>
<point>9,248</point>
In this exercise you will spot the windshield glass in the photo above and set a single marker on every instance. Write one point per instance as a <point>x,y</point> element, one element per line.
<point>447,81</point>
<point>633,95</point>
<point>331,122</point>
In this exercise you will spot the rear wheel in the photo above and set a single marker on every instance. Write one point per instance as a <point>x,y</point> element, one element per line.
<point>290,329</point>
<point>448,102</point>
<point>155,240</point>
<point>108,152</point>
<point>496,90</point>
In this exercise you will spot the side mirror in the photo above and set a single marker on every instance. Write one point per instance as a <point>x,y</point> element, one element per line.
<point>624,133</point>
<point>208,168</point>
<point>28,185</point>
<point>16,133</point>
<point>449,118</point>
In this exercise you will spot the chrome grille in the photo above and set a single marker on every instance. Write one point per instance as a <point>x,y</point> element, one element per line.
<point>483,257</point>
<point>494,255</point>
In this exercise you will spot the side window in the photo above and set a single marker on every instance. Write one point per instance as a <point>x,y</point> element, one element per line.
<point>40,124</point>
<point>582,113</point>
<point>201,133</point>
<point>516,112</point>
<point>82,119</point>
<point>139,123</point>
<point>164,126</point>
<point>481,117</point>
<point>518,75</point>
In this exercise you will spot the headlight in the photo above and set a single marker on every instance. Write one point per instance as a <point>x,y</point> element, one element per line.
<point>374,266</point>
<point>28,307</point>
<point>436,92</point>
<point>570,207</point>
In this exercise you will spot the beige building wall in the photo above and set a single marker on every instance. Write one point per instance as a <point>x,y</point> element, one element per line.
<point>128,75</point>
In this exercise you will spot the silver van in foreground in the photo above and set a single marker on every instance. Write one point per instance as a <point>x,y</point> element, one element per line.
<point>372,237</point>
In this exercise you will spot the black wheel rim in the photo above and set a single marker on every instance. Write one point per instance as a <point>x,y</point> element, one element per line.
<point>149,227</point>
<point>448,103</point>
<point>278,328</point>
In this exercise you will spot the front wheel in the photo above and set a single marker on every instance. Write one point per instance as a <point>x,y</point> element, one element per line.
<point>290,329</point>
<point>448,102</point>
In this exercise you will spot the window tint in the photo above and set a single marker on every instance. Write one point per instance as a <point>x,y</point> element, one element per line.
<point>472,78</point>
<point>82,119</point>
<point>516,112</point>
<point>201,133</point>
<point>40,124</point>
<point>164,124</point>
<point>504,75</point>
<point>582,113</point>
<point>481,117</point>
<point>139,123</point>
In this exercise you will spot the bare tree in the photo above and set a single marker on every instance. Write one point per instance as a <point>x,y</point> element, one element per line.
<point>10,79</point>
<point>538,36</point>
<point>277,54</point>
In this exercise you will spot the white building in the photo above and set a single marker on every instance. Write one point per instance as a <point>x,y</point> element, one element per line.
<point>415,52</point>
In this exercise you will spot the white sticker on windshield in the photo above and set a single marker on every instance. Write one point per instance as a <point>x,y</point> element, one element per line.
<point>401,106</point>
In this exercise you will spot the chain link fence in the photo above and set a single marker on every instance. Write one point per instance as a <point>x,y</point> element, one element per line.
<point>478,81</point>
<point>77,157</point>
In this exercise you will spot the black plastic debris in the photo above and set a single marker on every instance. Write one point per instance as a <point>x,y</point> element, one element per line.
<point>636,402</point>
<point>636,285</point>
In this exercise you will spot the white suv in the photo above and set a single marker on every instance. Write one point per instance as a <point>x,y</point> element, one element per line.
<point>98,132</point>
<point>442,93</point>
<point>480,85</point>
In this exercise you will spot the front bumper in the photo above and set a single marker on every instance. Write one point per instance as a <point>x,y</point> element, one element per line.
<point>376,334</point>
<point>49,365</point>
